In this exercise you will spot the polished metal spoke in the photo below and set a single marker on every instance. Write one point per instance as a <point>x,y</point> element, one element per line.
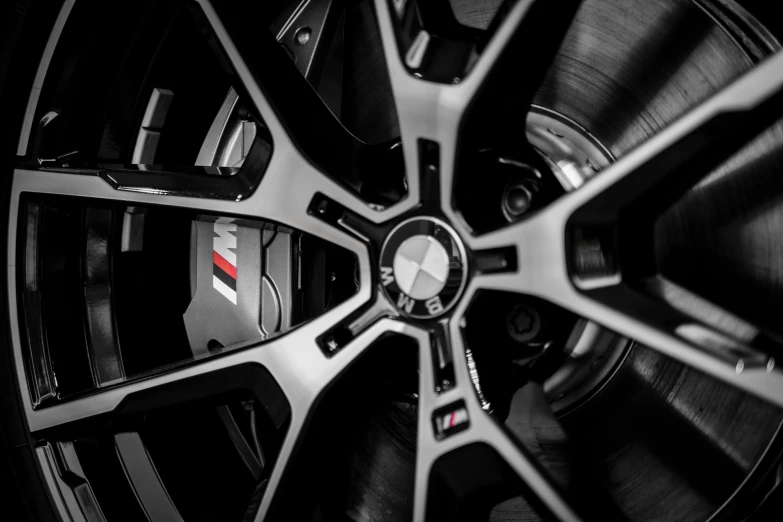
<point>294,359</point>
<point>547,262</point>
<point>447,114</point>
<point>543,271</point>
<point>418,103</point>
<point>483,429</point>
<point>687,150</point>
<point>283,197</point>
<point>303,389</point>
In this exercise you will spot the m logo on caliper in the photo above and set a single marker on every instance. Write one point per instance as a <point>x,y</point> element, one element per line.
<point>224,259</point>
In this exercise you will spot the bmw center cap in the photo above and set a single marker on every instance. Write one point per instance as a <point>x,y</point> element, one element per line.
<point>423,268</point>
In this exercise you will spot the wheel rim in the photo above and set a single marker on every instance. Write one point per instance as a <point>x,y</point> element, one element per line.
<point>587,258</point>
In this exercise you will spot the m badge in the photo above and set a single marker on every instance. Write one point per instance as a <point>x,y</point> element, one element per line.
<point>224,259</point>
<point>450,419</point>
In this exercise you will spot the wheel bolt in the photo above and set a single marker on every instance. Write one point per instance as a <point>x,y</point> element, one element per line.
<point>523,323</point>
<point>322,207</point>
<point>518,195</point>
<point>516,200</point>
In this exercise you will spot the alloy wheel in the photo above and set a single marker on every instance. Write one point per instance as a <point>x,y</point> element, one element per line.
<point>409,251</point>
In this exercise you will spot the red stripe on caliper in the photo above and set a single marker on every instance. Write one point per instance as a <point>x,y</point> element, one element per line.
<point>224,265</point>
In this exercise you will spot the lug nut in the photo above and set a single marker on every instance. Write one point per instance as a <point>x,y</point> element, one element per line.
<point>322,207</point>
<point>518,195</point>
<point>523,323</point>
<point>516,200</point>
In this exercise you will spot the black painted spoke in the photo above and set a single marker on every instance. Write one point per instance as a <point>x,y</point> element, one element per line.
<point>143,478</point>
<point>479,83</point>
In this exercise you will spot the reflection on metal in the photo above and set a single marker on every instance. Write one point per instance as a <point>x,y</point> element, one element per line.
<point>69,486</point>
<point>240,442</point>
<point>229,138</point>
<point>132,239</point>
<point>43,383</point>
<point>701,309</point>
<point>144,478</point>
<point>573,154</point>
<point>723,346</point>
<point>151,127</point>
<point>40,76</point>
<point>304,29</point>
<point>101,332</point>
<point>593,355</point>
<point>418,49</point>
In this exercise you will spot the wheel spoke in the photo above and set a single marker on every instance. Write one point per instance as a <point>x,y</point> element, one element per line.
<point>462,404</point>
<point>293,358</point>
<point>287,104</point>
<point>143,478</point>
<point>479,89</point>
<point>306,396</point>
<point>715,343</point>
<point>684,152</point>
<point>567,252</point>
<point>284,195</point>
<point>416,101</point>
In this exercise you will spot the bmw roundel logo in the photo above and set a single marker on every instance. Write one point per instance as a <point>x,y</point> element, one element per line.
<point>423,267</point>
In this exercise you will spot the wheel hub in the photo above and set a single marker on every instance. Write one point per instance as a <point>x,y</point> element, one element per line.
<point>423,267</point>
